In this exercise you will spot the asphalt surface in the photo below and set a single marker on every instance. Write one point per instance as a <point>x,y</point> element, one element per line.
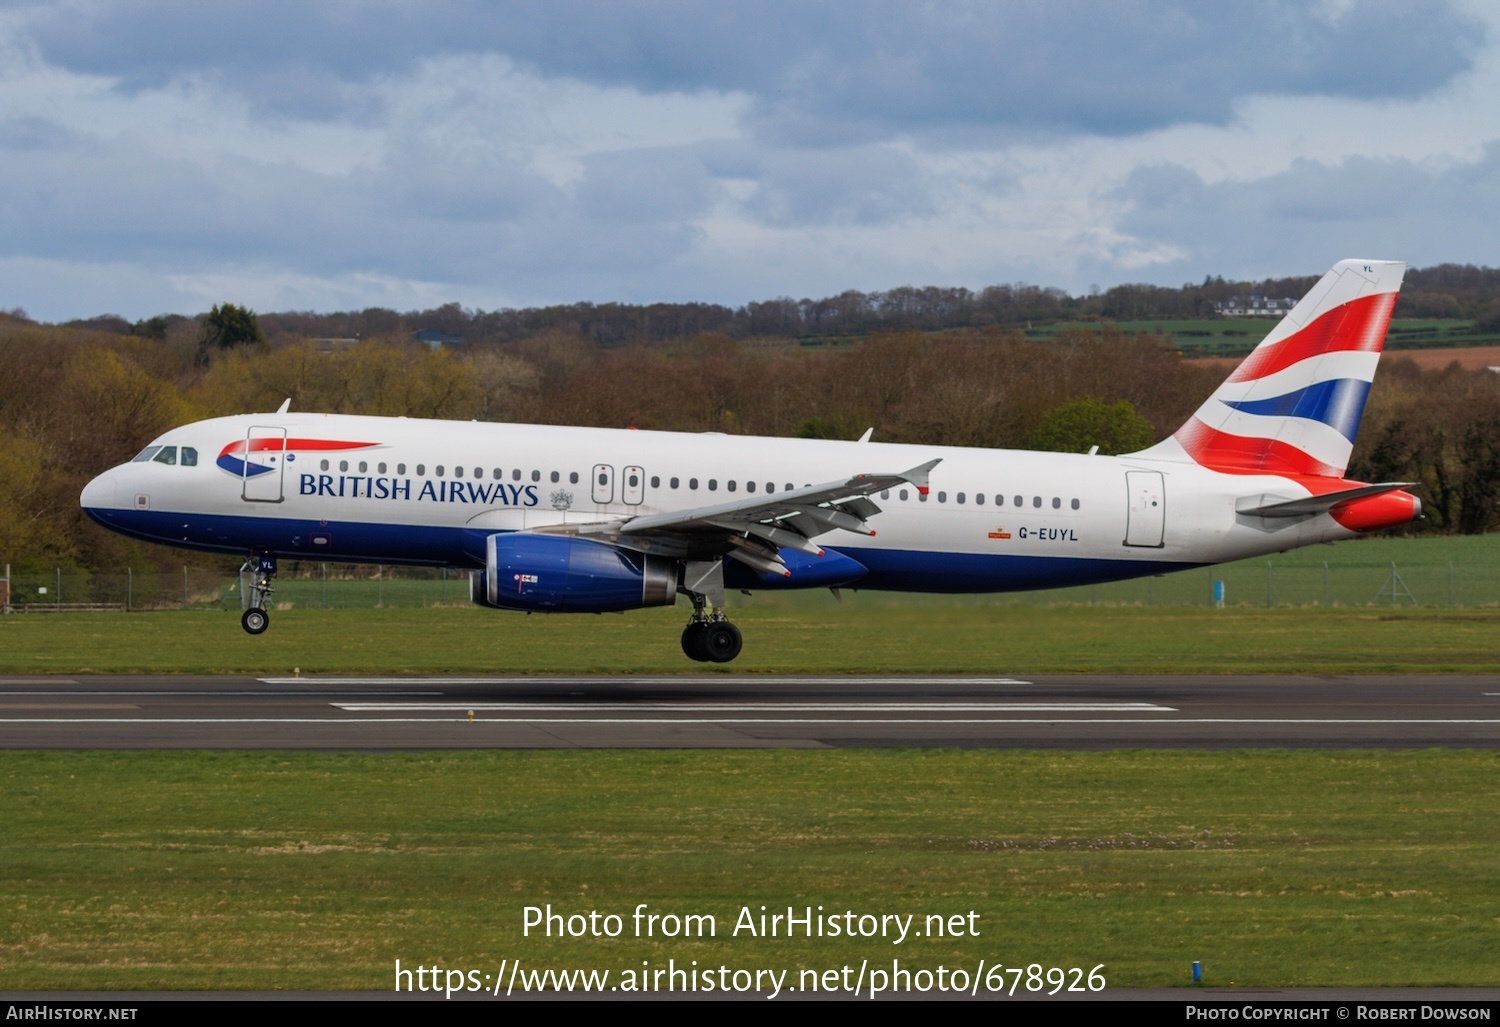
<point>723,711</point>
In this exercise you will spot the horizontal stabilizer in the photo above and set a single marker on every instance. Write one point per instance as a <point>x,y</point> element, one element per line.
<point>1267,505</point>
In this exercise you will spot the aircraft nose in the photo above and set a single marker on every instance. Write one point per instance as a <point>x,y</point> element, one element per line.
<point>99,494</point>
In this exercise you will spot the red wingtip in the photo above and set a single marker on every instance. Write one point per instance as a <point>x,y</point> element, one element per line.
<point>820,552</point>
<point>923,489</point>
<point>872,534</point>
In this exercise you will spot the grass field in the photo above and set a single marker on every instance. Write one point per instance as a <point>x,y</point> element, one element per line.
<point>1230,336</point>
<point>260,870</point>
<point>1325,609</point>
<point>853,639</point>
<point>314,871</point>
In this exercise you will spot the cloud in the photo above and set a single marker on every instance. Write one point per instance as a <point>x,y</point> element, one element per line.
<point>1315,213</point>
<point>515,153</point>
<point>833,71</point>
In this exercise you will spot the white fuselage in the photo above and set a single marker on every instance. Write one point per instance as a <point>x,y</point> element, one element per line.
<point>430,492</point>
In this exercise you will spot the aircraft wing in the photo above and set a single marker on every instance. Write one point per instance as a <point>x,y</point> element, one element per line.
<point>753,530</point>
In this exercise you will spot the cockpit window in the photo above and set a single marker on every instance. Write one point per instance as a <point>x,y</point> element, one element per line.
<point>146,454</point>
<point>189,456</point>
<point>168,455</point>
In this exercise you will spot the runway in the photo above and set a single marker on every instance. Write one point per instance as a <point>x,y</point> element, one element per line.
<point>724,711</point>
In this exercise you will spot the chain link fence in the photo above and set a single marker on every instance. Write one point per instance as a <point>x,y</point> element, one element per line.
<point>299,585</point>
<point>1426,572</point>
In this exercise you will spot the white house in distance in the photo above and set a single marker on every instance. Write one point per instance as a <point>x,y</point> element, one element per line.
<point>1254,306</point>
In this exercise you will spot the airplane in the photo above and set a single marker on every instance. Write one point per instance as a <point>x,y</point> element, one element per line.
<point>573,519</point>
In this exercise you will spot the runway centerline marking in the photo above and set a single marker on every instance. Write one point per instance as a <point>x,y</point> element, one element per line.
<point>758,707</point>
<point>627,679</point>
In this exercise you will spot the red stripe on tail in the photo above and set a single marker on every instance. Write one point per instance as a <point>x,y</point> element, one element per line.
<point>1239,454</point>
<point>1358,325</point>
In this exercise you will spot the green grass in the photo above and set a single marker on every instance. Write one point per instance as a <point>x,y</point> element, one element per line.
<point>780,638</point>
<point>1309,611</point>
<point>1230,336</point>
<point>256,870</point>
<point>1438,570</point>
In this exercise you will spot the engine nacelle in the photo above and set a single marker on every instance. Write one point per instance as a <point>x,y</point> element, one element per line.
<point>565,574</point>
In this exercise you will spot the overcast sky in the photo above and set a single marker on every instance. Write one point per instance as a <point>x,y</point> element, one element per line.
<point>165,155</point>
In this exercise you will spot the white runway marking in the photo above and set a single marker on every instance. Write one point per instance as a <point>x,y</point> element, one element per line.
<point>632,680</point>
<point>212,692</point>
<point>758,707</point>
<point>720,720</point>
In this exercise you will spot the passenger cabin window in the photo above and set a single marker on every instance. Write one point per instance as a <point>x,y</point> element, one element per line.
<point>1075,504</point>
<point>458,472</point>
<point>655,481</point>
<point>713,484</point>
<point>556,477</point>
<point>1036,501</point>
<point>400,468</point>
<point>363,467</point>
<point>979,499</point>
<point>344,466</point>
<point>674,482</point>
<point>536,475</point>
<point>421,470</point>
<point>692,483</point>
<point>1056,503</point>
<point>902,494</point>
<point>515,475</point>
<point>573,477</point>
<point>380,467</point>
<point>438,470</point>
<point>729,485</point>
<point>749,486</point>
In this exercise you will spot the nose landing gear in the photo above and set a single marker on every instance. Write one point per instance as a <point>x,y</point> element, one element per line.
<point>256,618</point>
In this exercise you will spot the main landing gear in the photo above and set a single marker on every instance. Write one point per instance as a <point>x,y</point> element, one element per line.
<point>256,617</point>
<point>708,637</point>
<point>712,641</point>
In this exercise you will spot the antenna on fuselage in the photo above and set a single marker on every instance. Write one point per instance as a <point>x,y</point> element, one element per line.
<point>286,405</point>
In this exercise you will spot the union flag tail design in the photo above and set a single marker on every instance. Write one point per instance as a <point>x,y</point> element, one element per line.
<point>1294,405</point>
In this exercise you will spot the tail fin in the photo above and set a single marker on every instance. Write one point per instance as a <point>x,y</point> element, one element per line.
<point>1294,405</point>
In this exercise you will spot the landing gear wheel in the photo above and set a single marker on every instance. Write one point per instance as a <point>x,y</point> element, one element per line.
<point>255,621</point>
<point>721,640</point>
<point>692,642</point>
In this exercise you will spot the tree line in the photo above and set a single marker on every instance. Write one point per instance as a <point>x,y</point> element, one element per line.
<point>76,400</point>
<point>1459,291</point>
